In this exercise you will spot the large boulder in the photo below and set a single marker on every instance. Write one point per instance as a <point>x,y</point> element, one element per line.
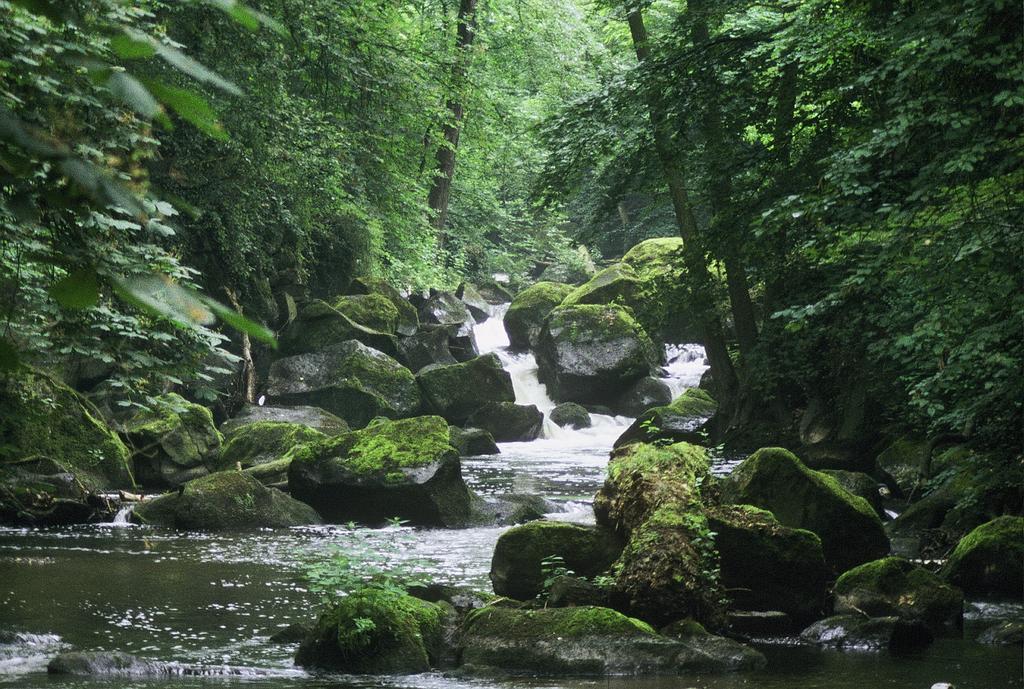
<point>265,441</point>
<point>42,493</point>
<point>587,641</point>
<point>320,325</point>
<point>225,500</point>
<point>776,480</point>
<point>408,321</point>
<point>42,417</point>
<point>767,566</point>
<point>457,390</point>
<point>894,586</point>
<point>426,347</point>
<point>860,484</point>
<point>651,497</point>
<point>508,422</point>
<point>989,561</point>
<point>348,379</point>
<point>174,442</point>
<point>642,395</point>
<point>860,633</point>
<point>376,631</point>
<point>903,462</point>
<point>589,353</point>
<point>572,415</point>
<point>406,469</point>
<point>494,292</point>
<point>650,280</point>
<point>518,569</point>
<point>526,313</point>
<point>311,417</point>
<point>472,442</point>
<point>373,311</point>
<point>677,422</point>
<point>444,308</point>
<point>474,301</point>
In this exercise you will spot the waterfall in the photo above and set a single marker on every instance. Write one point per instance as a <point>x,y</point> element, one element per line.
<point>686,363</point>
<point>121,518</point>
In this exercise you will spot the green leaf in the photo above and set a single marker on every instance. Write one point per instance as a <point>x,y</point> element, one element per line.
<point>190,106</point>
<point>240,322</point>
<point>184,63</point>
<point>160,296</point>
<point>134,94</point>
<point>78,290</point>
<point>247,16</point>
<point>9,360</point>
<point>130,49</point>
<point>56,12</point>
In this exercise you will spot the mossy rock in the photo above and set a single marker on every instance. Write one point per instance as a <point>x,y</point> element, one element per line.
<point>174,442</point>
<point>264,441</point>
<point>373,311</point>
<point>426,347</point>
<point>667,570</point>
<point>225,500</point>
<point>494,292</point>
<point>314,418</point>
<point>406,469</point>
<point>408,320</point>
<point>895,586</point>
<point>472,442</point>
<point>860,484</point>
<point>376,631</point>
<point>585,641</point>
<point>904,462</point>
<point>679,421</point>
<point>767,566</point>
<point>349,379</point>
<point>572,415</point>
<point>509,422</point>
<point>319,325</point>
<point>41,493</point>
<point>989,561</point>
<point>525,316</point>
<point>41,417</point>
<point>517,569</point>
<point>444,308</point>
<point>776,480</point>
<point>1010,632</point>
<point>589,353</point>
<point>474,301</point>
<point>458,390</point>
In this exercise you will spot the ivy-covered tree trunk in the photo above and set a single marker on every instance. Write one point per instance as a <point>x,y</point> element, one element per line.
<point>440,190</point>
<point>722,371</point>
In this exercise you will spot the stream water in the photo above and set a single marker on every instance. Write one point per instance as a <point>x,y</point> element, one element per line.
<point>203,605</point>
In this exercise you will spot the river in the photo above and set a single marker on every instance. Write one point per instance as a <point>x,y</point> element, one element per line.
<point>204,605</point>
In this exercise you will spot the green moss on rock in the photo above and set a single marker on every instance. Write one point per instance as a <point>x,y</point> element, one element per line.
<point>408,320</point>
<point>373,311</point>
<point>376,631</point>
<point>526,313</point>
<point>776,480</point>
<point>989,561</point>
<point>265,441</point>
<point>174,442</point>
<point>41,417</point>
<point>895,586</point>
<point>457,390</point>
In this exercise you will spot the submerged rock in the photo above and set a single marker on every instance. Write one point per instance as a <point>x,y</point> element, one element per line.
<point>508,422</point>
<point>860,633</point>
<point>458,390</point>
<point>775,480</point>
<point>572,415</point>
<point>225,500</point>
<point>707,652</point>
<point>587,641</point>
<point>589,353</point>
<point>406,469</point>
<point>767,566</point>
<point>376,631</point>
<point>348,379</point>
<point>511,509</point>
<point>173,443</point>
<point>894,586</point>
<point>525,316</point>
<point>517,567</point>
<point>312,417</point>
<point>989,561</point>
<point>1008,633</point>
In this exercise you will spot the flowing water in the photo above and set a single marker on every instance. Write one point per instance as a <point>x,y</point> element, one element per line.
<point>200,607</point>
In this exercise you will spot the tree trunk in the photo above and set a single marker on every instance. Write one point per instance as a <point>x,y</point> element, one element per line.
<point>440,190</point>
<point>722,371</point>
<point>720,194</point>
